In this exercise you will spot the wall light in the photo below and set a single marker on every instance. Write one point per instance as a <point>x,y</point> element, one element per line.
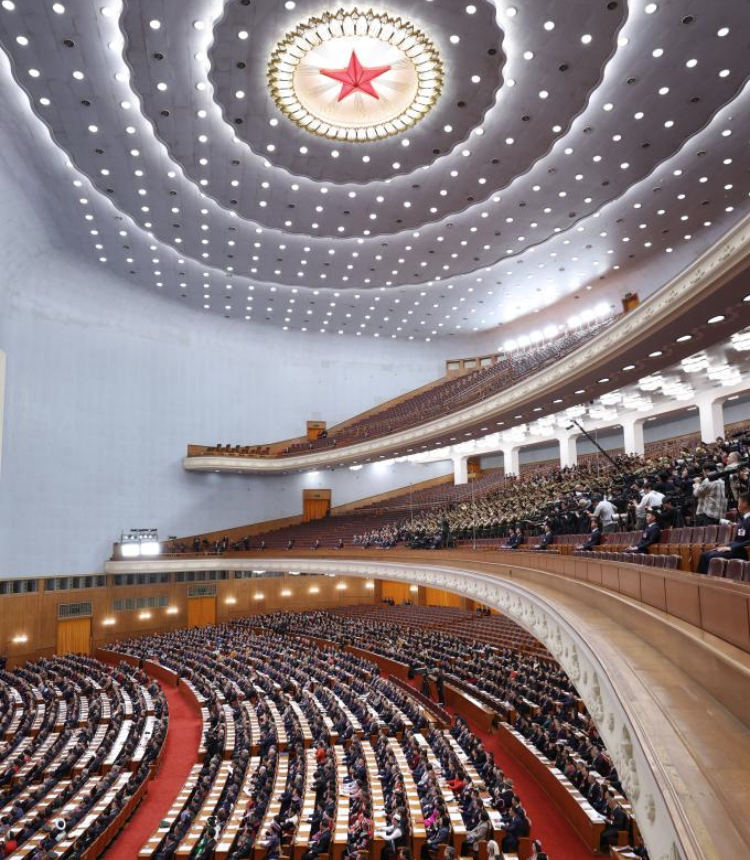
<point>286,593</point>
<point>314,589</point>
<point>370,585</point>
<point>108,622</point>
<point>20,639</point>
<point>172,610</point>
<point>258,596</point>
<point>341,586</point>
<point>231,600</point>
<point>414,589</point>
<point>144,616</point>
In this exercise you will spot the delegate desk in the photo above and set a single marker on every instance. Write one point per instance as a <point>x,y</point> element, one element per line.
<point>587,822</point>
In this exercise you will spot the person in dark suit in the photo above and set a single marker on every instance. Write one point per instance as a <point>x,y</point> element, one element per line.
<point>547,537</point>
<point>442,836</point>
<point>516,539</point>
<point>617,820</point>
<point>739,547</point>
<point>595,536</point>
<point>517,828</point>
<point>649,536</point>
<point>321,842</point>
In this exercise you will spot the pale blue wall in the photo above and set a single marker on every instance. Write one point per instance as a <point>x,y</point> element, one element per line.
<point>106,384</point>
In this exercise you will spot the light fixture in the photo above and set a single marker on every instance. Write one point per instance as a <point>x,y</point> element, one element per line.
<point>172,610</point>
<point>314,589</point>
<point>20,639</point>
<point>144,616</point>
<point>370,585</point>
<point>286,593</point>
<point>108,622</point>
<point>316,78</point>
<point>258,595</point>
<point>230,600</point>
<point>139,542</point>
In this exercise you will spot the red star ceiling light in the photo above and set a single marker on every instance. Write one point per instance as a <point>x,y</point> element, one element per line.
<point>354,76</point>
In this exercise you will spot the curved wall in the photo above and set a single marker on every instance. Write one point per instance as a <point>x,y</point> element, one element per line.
<point>107,383</point>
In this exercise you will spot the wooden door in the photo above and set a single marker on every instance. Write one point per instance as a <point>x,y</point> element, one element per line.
<point>74,636</point>
<point>201,611</point>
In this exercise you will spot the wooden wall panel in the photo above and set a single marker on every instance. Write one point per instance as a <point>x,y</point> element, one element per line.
<point>398,592</point>
<point>35,615</point>
<point>437,597</point>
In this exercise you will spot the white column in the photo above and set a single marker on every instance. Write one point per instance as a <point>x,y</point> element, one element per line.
<point>568,449</point>
<point>711,412</point>
<point>632,431</point>
<point>460,470</point>
<point>510,460</point>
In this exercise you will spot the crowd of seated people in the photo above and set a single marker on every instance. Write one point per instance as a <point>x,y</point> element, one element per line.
<point>81,739</point>
<point>318,708</point>
<point>689,483</point>
<point>232,665</point>
<point>532,693</point>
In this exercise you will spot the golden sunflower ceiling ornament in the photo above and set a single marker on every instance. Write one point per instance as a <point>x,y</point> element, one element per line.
<point>355,76</point>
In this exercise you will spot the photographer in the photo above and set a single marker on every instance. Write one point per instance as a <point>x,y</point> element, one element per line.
<point>711,498</point>
<point>604,513</point>
<point>650,498</point>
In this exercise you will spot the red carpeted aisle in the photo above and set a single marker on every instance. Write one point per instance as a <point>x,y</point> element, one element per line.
<point>558,837</point>
<point>179,756</point>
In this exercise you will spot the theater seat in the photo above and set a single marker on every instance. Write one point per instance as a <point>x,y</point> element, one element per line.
<point>734,569</point>
<point>717,567</point>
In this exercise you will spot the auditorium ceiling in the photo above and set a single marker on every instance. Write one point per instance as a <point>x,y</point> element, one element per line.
<point>408,169</point>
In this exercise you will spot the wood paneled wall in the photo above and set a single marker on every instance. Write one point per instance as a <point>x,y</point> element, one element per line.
<point>35,615</point>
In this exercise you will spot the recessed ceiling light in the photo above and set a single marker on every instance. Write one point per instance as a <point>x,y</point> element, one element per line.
<point>58,8</point>
<point>651,8</point>
<point>629,367</point>
<point>9,5</point>
<point>153,23</point>
<point>717,319</point>
<point>587,38</point>
<point>684,338</point>
<point>22,41</point>
<point>655,354</point>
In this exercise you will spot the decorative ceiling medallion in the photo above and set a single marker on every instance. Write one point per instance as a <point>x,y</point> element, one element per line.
<point>355,76</point>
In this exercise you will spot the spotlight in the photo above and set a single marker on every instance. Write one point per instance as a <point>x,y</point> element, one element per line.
<point>139,542</point>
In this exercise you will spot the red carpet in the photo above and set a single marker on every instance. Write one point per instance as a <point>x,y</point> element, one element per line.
<point>179,756</point>
<point>559,839</point>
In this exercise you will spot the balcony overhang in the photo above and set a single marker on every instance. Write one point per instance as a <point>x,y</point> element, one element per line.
<point>715,284</point>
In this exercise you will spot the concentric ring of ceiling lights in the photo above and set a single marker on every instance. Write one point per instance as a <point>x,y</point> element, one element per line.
<point>564,155</point>
<point>355,76</point>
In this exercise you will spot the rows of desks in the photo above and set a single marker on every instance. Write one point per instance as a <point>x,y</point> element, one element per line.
<point>152,843</point>
<point>231,829</point>
<point>208,808</point>
<point>274,805</point>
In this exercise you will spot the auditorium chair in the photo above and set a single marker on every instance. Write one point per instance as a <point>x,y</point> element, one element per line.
<point>735,569</point>
<point>717,567</point>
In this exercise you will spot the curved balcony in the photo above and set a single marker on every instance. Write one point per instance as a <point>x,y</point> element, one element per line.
<point>707,301</point>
